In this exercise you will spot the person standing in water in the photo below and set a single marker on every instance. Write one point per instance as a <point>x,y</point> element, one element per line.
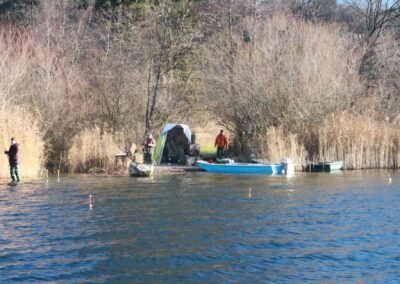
<point>13,160</point>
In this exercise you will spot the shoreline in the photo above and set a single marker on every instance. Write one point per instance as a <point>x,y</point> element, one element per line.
<point>175,169</point>
<point>172,170</point>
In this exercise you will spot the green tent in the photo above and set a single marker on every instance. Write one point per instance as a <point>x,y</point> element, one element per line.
<point>173,144</point>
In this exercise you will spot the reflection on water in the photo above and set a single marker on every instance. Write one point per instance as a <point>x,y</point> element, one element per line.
<point>201,227</point>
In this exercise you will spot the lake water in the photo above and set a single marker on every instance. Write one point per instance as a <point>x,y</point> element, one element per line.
<point>203,228</point>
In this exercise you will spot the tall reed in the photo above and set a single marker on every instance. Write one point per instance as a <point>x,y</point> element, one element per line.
<point>91,150</point>
<point>278,144</point>
<point>18,123</point>
<point>359,141</point>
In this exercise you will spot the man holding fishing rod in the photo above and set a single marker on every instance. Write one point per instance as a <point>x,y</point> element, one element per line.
<point>13,161</point>
<point>149,145</point>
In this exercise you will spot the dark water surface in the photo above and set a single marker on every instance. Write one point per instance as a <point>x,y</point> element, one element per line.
<point>203,228</point>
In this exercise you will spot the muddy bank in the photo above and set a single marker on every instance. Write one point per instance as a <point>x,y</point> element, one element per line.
<point>174,169</point>
<point>157,170</point>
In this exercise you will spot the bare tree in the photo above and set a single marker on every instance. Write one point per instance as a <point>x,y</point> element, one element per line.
<point>315,10</point>
<point>15,51</point>
<point>116,74</point>
<point>376,17</point>
<point>295,76</point>
<point>53,88</point>
<point>173,35</point>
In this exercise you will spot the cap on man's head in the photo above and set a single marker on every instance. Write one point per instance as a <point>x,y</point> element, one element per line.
<point>12,139</point>
<point>221,130</point>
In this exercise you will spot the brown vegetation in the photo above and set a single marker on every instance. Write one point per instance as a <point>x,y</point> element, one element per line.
<point>360,142</point>
<point>91,149</point>
<point>278,144</point>
<point>17,122</point>
<point>292,77</point>
<point>298,84</point>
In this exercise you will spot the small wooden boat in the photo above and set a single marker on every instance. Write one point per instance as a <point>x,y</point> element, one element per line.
<point>324,166</point>
<point>241,168</point>
<point>140,170</point>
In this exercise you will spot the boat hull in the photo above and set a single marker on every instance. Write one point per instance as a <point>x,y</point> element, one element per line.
<point>324,167</point>
<point>141,170</point>
<point>238,168</point>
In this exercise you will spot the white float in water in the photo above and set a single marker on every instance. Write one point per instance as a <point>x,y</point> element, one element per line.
<point>90,202</point>
<point>288,166</point>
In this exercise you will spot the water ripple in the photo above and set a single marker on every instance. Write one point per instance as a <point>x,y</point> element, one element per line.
<point>202,228</point>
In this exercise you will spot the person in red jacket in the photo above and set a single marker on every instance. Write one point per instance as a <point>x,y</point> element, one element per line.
<point>221,142</point>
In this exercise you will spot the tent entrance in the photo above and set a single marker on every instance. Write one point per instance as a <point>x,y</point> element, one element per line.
<point>176,146</point>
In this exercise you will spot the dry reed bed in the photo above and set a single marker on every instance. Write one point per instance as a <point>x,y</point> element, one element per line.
<point>92,150</point>
<point>17,122</point>
<point>279,144</point>
<point>360,142</point>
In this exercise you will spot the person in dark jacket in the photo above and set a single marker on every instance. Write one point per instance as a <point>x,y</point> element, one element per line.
<point>13,160</point>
